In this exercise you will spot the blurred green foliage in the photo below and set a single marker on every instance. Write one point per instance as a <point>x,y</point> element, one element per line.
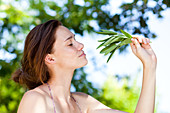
<point>11,95</point>
<point>119,94</point>
<point>18,17</point>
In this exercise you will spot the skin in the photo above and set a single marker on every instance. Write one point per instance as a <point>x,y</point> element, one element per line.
<point>62,62</point>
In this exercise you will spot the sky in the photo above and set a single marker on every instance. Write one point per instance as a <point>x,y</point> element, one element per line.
<point>128,63</point>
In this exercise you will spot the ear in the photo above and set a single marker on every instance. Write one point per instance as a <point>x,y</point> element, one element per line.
<point>49,59</point>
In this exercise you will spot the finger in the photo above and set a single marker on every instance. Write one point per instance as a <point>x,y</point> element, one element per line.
<point>136,43</point>
<point>148,40</point>
<point>144,40</point>
<point>146,46</point>
<point>139,38</point>
<point>133,47</point>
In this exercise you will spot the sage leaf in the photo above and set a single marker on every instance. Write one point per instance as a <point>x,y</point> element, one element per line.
<point>126,34</point>
<point>114,42</point>
<point>110,48</point>
<point>111,55</point>
<point>108,41</point>
<point>126,41</point>
<point>100,45</point>
<point>104,40</point>
<point>106,32</point>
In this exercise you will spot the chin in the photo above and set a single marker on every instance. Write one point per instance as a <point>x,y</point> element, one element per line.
<point>83,63</point>
<point>86,62</point>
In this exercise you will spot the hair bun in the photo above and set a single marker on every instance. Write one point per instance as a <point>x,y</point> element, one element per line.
<point>17,76</point>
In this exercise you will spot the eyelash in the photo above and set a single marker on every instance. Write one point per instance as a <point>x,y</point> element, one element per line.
<point>70,44</point>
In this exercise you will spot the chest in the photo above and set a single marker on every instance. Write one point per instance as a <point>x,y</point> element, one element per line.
<point>63,107</point>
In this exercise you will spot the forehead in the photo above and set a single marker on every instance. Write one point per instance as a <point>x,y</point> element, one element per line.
<point>62,33</point>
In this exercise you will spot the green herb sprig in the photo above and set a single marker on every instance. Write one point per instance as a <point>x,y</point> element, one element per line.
<point>114,42</point>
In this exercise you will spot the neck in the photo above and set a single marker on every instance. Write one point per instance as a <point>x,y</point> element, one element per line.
<point>60,82</point>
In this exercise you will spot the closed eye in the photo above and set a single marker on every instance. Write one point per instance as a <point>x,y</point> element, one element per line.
<point>70,44</point>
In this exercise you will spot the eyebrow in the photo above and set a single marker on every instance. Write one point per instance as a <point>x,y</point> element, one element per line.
<point>69,37</point>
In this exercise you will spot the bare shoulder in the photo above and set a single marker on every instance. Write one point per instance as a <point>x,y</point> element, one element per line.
<point>89,99</point>
<point>31,102</point>
<point>85,97</point>
<point>80,94</point>
<point>93,105</point>
<point>33,94</point>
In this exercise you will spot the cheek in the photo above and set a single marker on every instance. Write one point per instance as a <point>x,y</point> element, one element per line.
<point>67,55</point>
<point>70,53</point>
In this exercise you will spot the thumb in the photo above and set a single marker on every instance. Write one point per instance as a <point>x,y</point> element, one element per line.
<point>132,45</point>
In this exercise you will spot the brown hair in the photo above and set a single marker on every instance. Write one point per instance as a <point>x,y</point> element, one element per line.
<point>38,44</point>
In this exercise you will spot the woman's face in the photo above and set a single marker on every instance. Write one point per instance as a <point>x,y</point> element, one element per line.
<point>67,52</point>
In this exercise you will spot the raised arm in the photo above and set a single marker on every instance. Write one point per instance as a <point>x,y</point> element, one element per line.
<point>145,53</point>
<point>146,100</point>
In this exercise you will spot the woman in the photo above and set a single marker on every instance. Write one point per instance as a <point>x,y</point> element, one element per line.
<point>51,54</point>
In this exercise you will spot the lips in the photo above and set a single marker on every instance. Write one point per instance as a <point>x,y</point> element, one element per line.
<point>82,54</point>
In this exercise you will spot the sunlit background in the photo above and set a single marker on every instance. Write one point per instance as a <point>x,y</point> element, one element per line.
<point>127,63</point>
<point>122,65</point>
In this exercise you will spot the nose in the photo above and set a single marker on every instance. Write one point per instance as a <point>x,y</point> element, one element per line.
<point>80,46</point>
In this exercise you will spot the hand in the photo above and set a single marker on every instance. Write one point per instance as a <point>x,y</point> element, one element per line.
<point>144,51</point>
